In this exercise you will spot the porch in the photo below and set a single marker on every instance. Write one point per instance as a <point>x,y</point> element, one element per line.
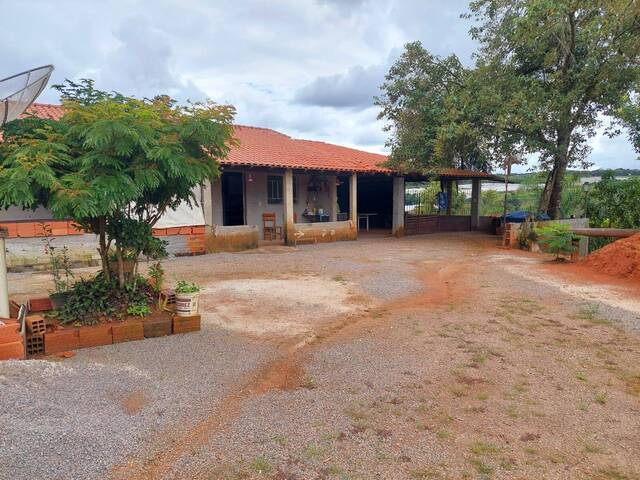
<point>316,206</point>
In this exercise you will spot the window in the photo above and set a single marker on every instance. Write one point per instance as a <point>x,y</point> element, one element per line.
<point>275,189</point>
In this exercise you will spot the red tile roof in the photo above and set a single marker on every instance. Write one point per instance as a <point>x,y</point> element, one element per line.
<point>263,147</point>
<point>44,110</point>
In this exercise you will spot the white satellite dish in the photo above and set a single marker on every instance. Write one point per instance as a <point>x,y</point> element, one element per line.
<point>19,91</point>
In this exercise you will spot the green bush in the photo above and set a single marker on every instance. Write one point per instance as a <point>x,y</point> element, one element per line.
<point>90,301</point>
<point>138,309</point>
<point>186,287</point>
<point>556,238</point>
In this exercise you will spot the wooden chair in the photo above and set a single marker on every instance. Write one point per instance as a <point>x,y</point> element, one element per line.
<point>271,231</point>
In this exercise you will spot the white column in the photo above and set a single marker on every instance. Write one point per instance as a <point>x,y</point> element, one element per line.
<point>353,199</point>
<point>397,225</point>
<point>333,197</point>
<point>476,188</point>
<point>288,207</point>
<point>4,284</point>
<point>215,192</point>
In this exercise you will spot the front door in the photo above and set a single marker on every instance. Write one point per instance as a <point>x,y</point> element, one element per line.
<point>232,198</point>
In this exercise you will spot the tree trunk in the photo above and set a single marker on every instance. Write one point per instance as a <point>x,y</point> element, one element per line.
<point>546,193</point>
<point>556,189</point>
<point>102,249</point>
<point>121,279</point>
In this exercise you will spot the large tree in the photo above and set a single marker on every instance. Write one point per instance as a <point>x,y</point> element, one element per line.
<point>561,67</point>
<point>114,164</point>
<point>548,72</point>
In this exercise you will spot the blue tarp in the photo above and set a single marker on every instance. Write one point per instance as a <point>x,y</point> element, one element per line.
<point>521,216</point>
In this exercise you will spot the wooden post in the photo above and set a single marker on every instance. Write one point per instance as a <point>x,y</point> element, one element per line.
<point>288,207</point>
<point>476,188</point>
<point>353,199</point>
<point>333,197</point>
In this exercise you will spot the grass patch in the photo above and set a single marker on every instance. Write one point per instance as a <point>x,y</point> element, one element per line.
<point>611,473</point>
<point>601,398</point>
<point>314,452</point>
<point>425,474</point>
<point>481,467</point>
<point>591,314</point>
<point>483,448</point>
<point>260,465</point>
<point>581,376</point>
<point>308,382</point>
<point>443,434</point>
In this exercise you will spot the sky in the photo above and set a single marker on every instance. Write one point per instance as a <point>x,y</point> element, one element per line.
<point>307,68</point>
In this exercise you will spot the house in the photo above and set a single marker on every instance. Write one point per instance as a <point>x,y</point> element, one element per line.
<point>315,191</point>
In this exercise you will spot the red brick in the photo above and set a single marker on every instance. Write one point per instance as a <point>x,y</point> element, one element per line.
<point>40,304</point>
<point>159,232</point>
<point>61,340</point>
<point>95,336</point>
<point>185,231</point>
<point>199,230</point>
<point>127,331</point>
<point>12,229</point>
<point>35,324</point>
<point>10,332</point>
<point>26,229</point>
<point>173,231</point>
<point>14,350</point>
<point>186,324</point>
<point>73,229</point>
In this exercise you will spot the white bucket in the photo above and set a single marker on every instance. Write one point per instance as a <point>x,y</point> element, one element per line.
<point>186,304</point>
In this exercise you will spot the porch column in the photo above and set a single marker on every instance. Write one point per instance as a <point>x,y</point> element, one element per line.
<point>353,199</point>
<point>333,197</point>
<point>288,207</point>
<point>215,201</point>
<point>476,188</point>
<point>397,224</point>
<point>449,196</point>
<point>4,285</point>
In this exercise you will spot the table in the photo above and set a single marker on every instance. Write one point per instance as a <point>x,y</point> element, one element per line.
<point>365,216</point>
<point>317,217</point>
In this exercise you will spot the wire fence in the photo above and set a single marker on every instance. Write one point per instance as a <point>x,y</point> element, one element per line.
<point>422,199</point>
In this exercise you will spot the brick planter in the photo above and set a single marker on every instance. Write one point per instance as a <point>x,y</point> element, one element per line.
<point>95,335</point>
<point>127,331</point>
<point>157,326</point>
<point>61,340</point>
<point>10,332</point>
<point>40,304</point>
<point>186,324</point>
<point>12,351</point>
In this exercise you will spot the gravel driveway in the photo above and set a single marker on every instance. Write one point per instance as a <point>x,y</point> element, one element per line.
<point>435,356</point>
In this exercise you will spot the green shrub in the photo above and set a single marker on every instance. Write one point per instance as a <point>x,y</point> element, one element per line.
<point>138,309</point>
<point>90,301</point>
<point>556,238</point>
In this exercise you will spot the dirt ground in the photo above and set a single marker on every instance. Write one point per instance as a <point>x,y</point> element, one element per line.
<point>427,357</point>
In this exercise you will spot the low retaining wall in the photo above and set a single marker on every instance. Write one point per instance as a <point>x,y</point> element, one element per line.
<point>26,248</point>
<point>231,239</point>
<point>324,232</point>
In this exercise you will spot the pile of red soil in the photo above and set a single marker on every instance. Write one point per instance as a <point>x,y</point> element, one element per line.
<point>620,258</point>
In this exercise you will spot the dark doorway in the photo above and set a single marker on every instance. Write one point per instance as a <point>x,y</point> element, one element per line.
<point>375,200</point>
<point>232,198</point>
<point>343,198</point>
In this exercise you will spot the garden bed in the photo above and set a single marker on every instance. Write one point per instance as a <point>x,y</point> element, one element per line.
<point>57,338</point>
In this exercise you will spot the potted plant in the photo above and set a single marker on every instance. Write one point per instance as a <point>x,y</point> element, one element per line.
<point>186,298</point>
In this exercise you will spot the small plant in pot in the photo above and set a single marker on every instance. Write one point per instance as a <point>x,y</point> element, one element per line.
<point>187,298</point>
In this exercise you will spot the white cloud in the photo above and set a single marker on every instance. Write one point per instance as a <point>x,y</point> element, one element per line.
<point>306,67</point>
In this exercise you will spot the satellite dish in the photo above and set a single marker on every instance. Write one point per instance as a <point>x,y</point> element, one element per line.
<point>19,91</point>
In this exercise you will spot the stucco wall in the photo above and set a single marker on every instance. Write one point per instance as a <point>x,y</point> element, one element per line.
<point>256,199</point>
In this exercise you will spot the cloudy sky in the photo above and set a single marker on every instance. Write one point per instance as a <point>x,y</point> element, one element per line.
<point>308,68</point>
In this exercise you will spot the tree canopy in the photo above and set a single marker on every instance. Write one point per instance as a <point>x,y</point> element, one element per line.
<point>113,158</point>
<point>546,75</point>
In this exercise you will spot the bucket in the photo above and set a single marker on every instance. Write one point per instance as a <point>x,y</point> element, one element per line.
<point>186,304</point>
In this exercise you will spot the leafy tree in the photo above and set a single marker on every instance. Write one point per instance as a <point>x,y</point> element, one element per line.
<point>112,161</point>
<point>613,203</point>
<point>546,74</point>
<point>559,66</point>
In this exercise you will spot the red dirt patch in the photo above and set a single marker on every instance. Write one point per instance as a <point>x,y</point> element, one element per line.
<point>620,258</point>
<point>134,402</point>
